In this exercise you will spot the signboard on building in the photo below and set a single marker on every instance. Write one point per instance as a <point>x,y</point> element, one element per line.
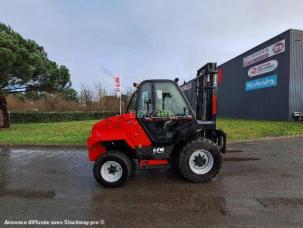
<point>265,53</point>
<point>261,83</point>
<point>263,68</point>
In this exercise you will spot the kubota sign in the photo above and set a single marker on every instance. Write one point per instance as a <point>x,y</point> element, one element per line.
<point>265,53</point>
<point>261,83</point>
<point>263,68</point>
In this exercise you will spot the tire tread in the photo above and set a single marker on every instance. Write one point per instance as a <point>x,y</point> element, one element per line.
<point>120,155</point>
<point>182,160</point>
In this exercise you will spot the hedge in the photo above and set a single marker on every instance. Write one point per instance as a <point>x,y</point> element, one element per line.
<point>48,117</point>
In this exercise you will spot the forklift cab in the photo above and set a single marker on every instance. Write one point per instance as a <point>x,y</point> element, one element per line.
<point>166,115</point>
<point>161,109</point>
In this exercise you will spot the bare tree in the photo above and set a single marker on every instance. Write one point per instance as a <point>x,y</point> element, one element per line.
<point>85,97</point>
<point>100,94</point>
<point>4,119</point>
<point>51,100</point>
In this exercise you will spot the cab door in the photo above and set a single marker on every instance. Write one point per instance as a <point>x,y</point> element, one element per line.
<point>163,110</point>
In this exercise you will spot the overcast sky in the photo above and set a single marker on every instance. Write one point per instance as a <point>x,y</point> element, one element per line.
<point>143,39</point>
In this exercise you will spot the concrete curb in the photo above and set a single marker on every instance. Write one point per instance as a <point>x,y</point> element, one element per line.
<point>279,138</point>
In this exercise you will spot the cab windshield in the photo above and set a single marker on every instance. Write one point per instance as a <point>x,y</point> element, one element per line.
<point>169,100</point>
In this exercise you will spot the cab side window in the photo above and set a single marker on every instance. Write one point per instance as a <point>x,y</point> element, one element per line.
<point>132,105</point>
<point>145,100</point>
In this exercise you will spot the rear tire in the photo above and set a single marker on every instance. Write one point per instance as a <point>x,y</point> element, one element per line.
<point>113,169</point>
<point>199,160</point>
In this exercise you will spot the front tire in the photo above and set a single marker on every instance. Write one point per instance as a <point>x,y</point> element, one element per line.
<point>199,160</point>
<point>113,169</point>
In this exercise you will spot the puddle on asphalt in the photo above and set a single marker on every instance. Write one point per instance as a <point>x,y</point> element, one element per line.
<point>241,159</point>
<point>288,175</point>
<point>209,204</point>
<point>280,201</point>
<point>22,193</point>
<point>234,151</point>
<point>19,156</point>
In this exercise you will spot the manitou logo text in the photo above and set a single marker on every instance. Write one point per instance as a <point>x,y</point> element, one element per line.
<point>158,150</point>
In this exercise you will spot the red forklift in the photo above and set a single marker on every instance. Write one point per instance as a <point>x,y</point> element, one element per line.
<point>160,128</point>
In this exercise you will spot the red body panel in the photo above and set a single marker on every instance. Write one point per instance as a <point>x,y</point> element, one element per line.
<point>220,75</point>
<point>214,109</point>
<point>122,127</point>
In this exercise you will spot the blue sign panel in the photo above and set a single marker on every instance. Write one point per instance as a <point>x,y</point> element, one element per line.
<point>261,83</point>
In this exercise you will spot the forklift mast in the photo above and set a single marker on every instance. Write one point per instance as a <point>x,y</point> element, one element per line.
<point>206,93</point>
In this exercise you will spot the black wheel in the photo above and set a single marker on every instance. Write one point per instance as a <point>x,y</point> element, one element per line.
<point>199,160</point>
<point>113,169</point>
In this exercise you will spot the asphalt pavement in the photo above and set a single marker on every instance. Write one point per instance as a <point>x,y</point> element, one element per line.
<point>260,184</point>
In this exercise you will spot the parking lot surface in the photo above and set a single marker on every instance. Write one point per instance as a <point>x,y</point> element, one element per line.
<point>260,184</point>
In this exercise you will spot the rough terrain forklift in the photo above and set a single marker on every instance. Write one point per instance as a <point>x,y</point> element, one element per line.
<point>160,128</point>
